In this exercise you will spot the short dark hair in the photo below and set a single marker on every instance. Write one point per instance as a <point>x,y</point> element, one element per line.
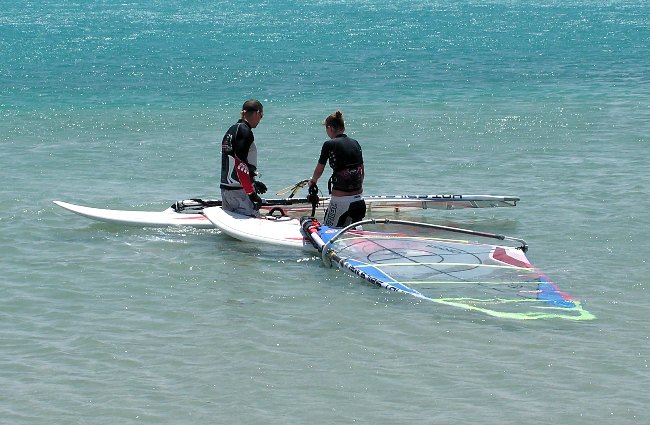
<point>252,105</point>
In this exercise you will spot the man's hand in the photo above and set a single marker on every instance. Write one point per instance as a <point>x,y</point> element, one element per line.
<point>256,200</point>
<point>259,187</point>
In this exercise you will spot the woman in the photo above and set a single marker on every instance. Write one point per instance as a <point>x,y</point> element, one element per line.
<point>346,184</point>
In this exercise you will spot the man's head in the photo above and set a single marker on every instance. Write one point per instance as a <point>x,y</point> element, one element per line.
<point>252,111</point>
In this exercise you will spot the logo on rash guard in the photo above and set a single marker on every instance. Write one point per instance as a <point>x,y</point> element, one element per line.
<point>226,144</point>
<point>242,167</point>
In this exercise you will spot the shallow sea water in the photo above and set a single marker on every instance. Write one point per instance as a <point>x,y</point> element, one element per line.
<point>121,105</point>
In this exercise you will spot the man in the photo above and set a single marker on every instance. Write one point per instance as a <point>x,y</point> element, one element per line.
<point>239,189</point>
<point>346,184</point>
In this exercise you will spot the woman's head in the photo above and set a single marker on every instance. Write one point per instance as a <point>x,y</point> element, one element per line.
<point>335,121</point>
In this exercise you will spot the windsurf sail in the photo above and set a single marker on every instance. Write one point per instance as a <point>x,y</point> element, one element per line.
<point>446,265</point>
<point>397,203</point>
<point>293,189</point>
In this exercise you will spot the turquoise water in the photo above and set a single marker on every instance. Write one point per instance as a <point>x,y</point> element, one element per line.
<point>122,105</point>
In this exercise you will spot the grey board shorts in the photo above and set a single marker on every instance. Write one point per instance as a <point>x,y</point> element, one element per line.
<point>237,201</point>
<point>344,210</point>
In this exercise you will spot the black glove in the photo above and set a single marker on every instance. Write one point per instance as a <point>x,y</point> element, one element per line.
<point>259,187</point>
<point>256,200</point>
<point>312,196</point>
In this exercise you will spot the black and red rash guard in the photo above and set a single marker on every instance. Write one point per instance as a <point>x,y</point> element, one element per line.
<point>238,158</point>
<point>345,158</point>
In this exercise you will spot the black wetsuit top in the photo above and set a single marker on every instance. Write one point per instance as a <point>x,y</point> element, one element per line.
<point>238,158</point>
<point>346,159</point>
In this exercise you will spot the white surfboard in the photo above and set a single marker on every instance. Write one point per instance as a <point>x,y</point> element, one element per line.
<point>187,216</point>
<point>282,231</point>
<point>165,218</point>
<point>189,212</point>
